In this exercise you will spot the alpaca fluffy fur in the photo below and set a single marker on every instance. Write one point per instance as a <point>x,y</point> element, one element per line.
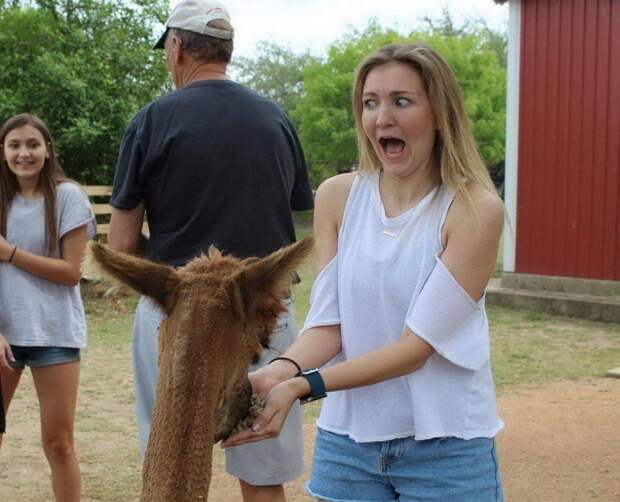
<point>220,312</point>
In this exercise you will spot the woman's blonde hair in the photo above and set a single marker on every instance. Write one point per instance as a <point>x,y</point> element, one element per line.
<point>454,151</point>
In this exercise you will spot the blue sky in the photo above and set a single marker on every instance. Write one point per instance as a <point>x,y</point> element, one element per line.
<point>314,24</point>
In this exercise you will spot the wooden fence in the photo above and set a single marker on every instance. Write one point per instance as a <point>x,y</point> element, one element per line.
<point>102,208</point>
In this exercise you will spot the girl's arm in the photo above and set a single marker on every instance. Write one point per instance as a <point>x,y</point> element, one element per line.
<point>470,253</point>
<point>64,270</point>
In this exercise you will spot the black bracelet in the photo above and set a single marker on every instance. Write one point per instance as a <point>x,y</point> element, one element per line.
<point>289,360</point>
<point>12,255</point>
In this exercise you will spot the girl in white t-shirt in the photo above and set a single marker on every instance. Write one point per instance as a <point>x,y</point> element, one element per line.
<point>45,221</point>
<point>397,324</point>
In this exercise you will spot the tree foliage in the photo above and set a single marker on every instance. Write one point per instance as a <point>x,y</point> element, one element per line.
<point>275,72</point>
<point>496,41</point>
<point>324,111</point>
<point>483,84</point>
<point>85,67</point>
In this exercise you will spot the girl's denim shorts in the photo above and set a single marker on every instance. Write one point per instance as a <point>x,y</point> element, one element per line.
<point>404,470</point>
<point>38,357</point>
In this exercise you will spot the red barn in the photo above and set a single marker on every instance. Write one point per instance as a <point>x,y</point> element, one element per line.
<point>563,147</point>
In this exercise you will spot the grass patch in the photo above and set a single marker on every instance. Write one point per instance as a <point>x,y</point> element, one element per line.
<point>301,292</point>
<point>531,347</point>
<point>303,223</point>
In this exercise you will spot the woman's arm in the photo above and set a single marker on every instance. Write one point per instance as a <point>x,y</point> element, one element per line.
<point>470,246</point>
<point>64,270</point>
<point>329,203</point>
<point>312,350</point>
<point>397,359</point>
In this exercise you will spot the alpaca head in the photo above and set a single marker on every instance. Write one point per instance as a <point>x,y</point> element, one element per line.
<point>220,314</point>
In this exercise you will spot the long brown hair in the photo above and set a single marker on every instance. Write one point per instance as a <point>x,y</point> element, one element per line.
<point>49,177</point>
<point>454,151</point>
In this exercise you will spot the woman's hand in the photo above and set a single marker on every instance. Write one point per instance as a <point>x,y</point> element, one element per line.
<point>269,423</point>
<point>267,377</point>
<point>263,381</point>
<point>6,354</point>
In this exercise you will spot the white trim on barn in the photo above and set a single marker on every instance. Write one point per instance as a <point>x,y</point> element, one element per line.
<point>512,133</point>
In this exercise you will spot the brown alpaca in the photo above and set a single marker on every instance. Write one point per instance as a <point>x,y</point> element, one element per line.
<point>220,312</point>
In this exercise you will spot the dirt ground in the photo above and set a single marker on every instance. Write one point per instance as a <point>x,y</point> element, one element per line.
<point>561,443</point>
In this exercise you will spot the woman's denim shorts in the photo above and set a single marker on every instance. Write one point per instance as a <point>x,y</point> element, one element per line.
<point>37,357</point>
<point>443,469</point>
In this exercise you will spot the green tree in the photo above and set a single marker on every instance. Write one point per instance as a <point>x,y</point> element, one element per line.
<point>275,72</point>
<point>483,84</point>
<point>326,121</point>
<point>444,25</point>
<point>85,67</point>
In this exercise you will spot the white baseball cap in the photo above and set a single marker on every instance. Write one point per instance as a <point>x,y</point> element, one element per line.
<point>194,15</point>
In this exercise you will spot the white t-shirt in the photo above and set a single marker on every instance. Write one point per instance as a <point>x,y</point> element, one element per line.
<point>35,311</point>
<point>386,275</point>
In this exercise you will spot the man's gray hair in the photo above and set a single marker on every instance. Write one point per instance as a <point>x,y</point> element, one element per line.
<point>207,48</point>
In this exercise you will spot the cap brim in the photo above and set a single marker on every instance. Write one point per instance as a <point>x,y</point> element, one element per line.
<point>162,39</point>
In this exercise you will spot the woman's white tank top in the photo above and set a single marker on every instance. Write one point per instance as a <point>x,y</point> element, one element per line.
<point>369,288</point>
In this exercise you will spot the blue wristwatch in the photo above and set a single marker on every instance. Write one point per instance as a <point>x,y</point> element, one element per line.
<point>317,385</point>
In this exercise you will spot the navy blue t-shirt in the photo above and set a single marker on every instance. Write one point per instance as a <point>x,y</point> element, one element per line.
<point>215,163</point>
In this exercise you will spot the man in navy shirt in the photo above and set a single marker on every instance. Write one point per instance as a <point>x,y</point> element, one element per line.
<point>211,163</point>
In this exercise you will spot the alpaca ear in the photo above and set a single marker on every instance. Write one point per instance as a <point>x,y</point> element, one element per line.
<point>239,299</point>
<point>269,277</point>
<point>152,279</point>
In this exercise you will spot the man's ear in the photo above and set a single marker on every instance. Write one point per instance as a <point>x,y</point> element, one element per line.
<point>177,49</point>
<point>154,280</point>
